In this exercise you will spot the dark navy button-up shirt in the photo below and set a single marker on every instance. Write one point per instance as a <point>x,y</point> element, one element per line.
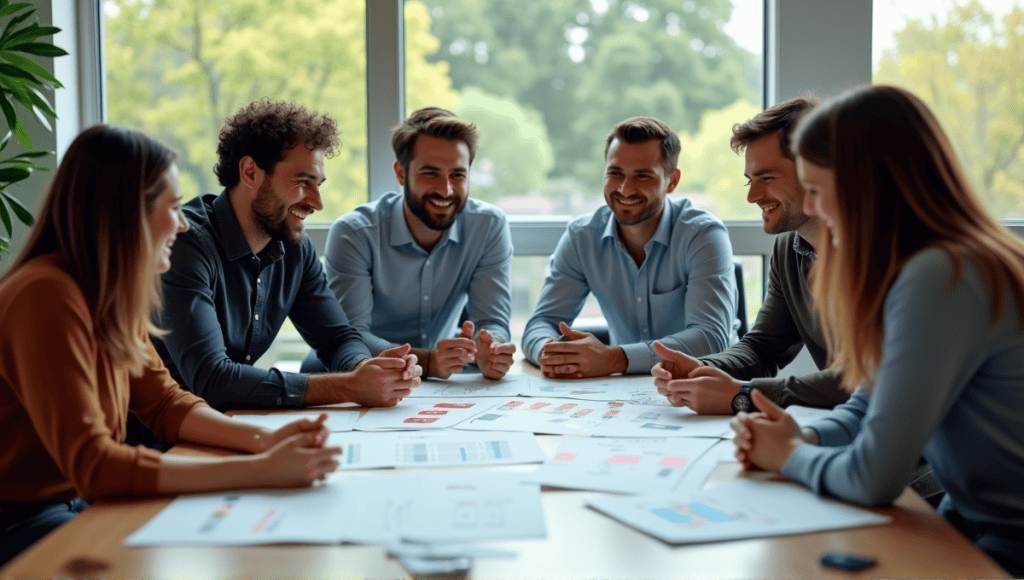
<point>223,306</point>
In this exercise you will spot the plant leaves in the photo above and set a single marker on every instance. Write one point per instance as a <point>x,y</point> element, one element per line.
<point>31,154</point>
<point>40,101</point>
<point>14,71</point>
<point>8,110</point>
<point>5,216</point>
<point>5,140</point>
<point>11,9</point>
<point>39,49</point>
<point>21,134</point>
<point>13,174</point>
<point>29,66</point>
<point>24,216</point>
<point>11,27</point>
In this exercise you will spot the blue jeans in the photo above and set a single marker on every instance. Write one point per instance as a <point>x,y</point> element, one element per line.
<point>22,523</point>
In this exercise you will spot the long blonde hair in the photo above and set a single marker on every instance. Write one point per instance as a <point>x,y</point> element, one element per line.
<point>95,218</point>
<point>899,189</point>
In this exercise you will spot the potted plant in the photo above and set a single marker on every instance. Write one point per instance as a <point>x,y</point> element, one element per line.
<point>21,84</point>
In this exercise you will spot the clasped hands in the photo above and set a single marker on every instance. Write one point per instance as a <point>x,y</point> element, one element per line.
<point>764,439</point>
<point>298,453</point>
<point>494,358</point>
<point>579,354</point>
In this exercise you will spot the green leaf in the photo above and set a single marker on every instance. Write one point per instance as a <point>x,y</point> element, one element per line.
<point>6,217</point>
<point>29,66</point>
<point>13,174</point>
<point>5,246</point>
<point>11,9</point>
<point>27,34</point>
<point>21,134</point>
<point>8,110</point>
<point>10,30</point>
<point>40,101</point>
<point>23,164</point>
<point>31,154</point>
<point>5,140</point>
<point>40,49</point>
<point>20,211</point>
<point>13,71</point>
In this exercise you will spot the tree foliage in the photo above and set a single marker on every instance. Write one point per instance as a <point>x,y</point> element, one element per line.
<point>585,65</point>
<point>969,67</point>
<point>178,68</point>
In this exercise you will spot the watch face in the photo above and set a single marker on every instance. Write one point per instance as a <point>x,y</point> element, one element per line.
<point>741,403</point>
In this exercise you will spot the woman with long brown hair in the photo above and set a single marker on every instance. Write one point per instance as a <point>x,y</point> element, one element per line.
<point>921,294</point>
<point>75,354</point>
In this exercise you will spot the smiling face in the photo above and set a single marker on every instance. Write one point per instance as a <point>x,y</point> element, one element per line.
<point>166,220</point>
<point>635,183</point>
<point>435,184</point>
<point>290,194</point>
<point>821,200</point>
<point>774,187</point>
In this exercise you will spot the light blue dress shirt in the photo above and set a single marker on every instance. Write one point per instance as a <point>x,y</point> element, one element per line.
<point>395,292</point>
<point>684,293</point>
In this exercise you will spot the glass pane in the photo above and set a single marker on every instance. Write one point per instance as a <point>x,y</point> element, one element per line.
<point>177,69</point>
<point>545,81</point>
<point>965,58</point>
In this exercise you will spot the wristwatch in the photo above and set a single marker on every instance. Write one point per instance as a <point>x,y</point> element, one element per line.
<point>741,402</point>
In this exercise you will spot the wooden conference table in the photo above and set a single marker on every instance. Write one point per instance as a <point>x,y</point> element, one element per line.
<point>581,543</point>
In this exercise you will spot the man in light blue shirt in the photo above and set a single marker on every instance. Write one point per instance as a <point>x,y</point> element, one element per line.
<point>407,266</point>
<point>660,270</point>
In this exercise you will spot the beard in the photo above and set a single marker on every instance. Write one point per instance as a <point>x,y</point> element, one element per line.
<point>271,217</point>
<point>649,210</point>
<point>418,207</point>
<point>789,222</point>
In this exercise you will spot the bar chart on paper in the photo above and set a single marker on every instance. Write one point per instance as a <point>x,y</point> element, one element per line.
<point>743,509</point>
<point>622,465</point>
<point>437,449</point>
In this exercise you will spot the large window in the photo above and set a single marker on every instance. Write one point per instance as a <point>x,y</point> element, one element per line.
<point>965,58</point>
<point>545,81</point>
<point>177,69</point>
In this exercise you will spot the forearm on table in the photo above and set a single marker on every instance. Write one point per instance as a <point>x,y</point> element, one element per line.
<point>206,426</point>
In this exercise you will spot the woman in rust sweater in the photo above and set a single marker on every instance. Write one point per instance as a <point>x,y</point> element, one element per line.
<point>75,354</point>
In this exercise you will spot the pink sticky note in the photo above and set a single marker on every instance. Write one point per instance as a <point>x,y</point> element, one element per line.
<point>624,459</point>
<point>669,461</point>
<point>564,457</point>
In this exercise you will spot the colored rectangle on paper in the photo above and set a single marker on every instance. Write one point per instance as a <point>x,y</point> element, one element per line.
<point>624,459</point>
<point>669,461</point>
<point>564,457</point>
<point>671,515</point>
<point>710,513</point>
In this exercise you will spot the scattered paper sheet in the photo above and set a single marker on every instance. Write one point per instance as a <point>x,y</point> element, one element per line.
<point>473,385</point>
<point>637,389</point>
<point>315,515</point>
<point>747,508</point>
<point>415,414</point>
<point>337,421</point>
<point>622,465</point>
<point>436,449</point>
<point>423,507</point>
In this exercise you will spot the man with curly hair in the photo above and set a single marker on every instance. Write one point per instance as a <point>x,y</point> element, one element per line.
<point>429,266</point>
<point>245,265</point>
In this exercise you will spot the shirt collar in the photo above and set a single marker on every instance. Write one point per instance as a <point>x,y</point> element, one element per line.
<point>235,244</point>
<point>802,247</point>
<point>400,234</point>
